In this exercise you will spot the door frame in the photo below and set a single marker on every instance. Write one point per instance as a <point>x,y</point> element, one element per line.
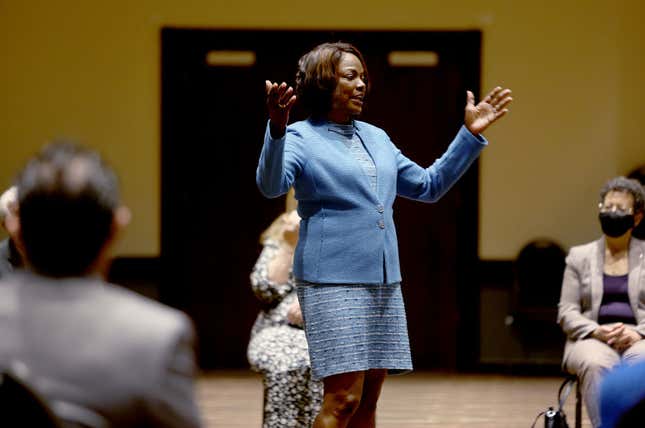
<point>465,44</point>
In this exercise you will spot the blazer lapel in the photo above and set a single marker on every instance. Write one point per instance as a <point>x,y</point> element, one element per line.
<point>372,150</point>
<point>636,259</point>
<point>596,269</point>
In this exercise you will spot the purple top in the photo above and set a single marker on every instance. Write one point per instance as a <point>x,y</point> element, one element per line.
<point>615,301</point>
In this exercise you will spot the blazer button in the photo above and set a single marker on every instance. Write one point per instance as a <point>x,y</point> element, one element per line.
<point>381,224</point>
<point>380,208</point>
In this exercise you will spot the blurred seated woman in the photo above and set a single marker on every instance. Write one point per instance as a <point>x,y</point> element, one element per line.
<point>602,304</point>
<point>278,347</point>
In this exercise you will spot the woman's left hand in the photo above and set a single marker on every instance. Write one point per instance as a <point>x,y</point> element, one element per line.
<point>625,340</point>
<point>492,107</point>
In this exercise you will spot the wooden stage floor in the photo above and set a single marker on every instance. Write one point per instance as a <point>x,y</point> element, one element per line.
<point>234,400</point>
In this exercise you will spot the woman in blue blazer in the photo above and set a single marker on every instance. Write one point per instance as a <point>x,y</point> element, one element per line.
<point>346,174</point>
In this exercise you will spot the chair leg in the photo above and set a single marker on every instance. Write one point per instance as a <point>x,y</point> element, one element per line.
<point>578,405</point>
<point>265,399</point>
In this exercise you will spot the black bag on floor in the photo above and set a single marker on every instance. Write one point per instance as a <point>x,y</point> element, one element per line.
<point>556,418</point>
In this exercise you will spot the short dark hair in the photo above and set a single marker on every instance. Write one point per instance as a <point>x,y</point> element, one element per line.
<point>317,75</point>
<point>67,197</point>
<point>628,185</point>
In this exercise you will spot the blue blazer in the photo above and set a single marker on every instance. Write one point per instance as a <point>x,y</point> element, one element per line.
<point>347,233</point>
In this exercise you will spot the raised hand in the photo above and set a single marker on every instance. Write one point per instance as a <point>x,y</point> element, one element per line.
<point>492,107</point>
<point>280,99</point>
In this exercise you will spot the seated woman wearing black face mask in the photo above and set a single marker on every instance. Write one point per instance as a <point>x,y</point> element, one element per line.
<point>602,305</point>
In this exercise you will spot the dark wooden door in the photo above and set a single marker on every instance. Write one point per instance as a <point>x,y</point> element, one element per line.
<point>213,119</point>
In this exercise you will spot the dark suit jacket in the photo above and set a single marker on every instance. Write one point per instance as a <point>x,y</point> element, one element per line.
<point>99,353</point>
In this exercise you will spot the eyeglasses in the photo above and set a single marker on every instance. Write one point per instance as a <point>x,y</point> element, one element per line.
<point>615,209</point>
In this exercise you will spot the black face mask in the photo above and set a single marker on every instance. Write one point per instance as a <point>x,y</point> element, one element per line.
<point>616,224</point>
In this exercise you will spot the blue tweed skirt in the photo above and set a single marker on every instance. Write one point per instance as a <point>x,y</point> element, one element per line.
<point>355,328</point>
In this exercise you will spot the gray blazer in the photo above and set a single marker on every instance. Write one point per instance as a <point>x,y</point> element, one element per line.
<point>100,354</point>
<point>582,288</point>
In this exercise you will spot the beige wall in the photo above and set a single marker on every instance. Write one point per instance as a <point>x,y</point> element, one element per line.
<point>90,70</point>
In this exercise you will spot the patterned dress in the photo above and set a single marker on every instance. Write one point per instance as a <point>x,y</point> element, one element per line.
<point>278,350</point>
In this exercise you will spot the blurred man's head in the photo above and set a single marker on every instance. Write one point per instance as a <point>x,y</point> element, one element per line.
<point>68,210</point>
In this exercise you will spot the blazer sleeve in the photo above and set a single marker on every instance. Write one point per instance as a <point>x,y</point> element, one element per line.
<point>172,403</point>
<point>430,184</point>
<point>281,161</point>
<point>570,313</point>
<point>640,304</point>
<point>640,328</point>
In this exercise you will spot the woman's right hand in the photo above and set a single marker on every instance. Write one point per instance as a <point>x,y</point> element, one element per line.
<point>279,267</point>
<point>280,99</point>
<point>294,314</point>
<point>291,228</point>
<point>608,333</point>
